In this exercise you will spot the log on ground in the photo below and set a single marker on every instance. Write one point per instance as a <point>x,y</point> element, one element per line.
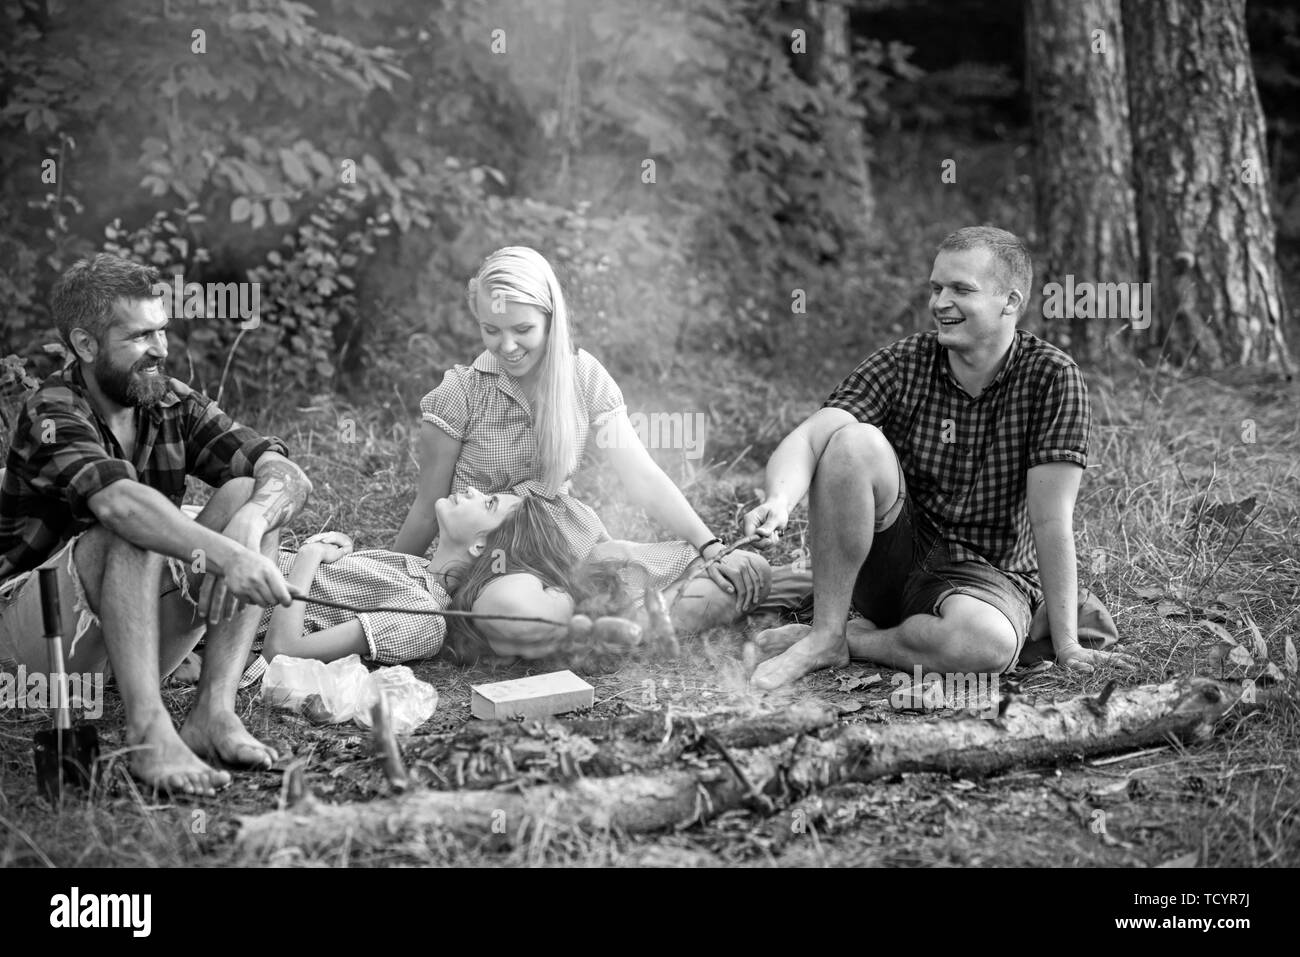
<point>801,763</point>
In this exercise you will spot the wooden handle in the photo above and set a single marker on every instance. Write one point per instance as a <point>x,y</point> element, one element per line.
<point>50,603</point>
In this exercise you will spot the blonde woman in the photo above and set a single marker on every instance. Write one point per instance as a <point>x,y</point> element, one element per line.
<point>522,419</point>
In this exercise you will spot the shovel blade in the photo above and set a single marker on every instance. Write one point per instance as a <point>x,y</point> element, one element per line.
<point>79,748</point>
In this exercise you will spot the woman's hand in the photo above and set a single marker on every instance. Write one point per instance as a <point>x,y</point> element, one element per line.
<point>741,574</point>
<point>328,546</point>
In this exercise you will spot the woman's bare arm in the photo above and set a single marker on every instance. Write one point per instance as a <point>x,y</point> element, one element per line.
<point>438,455</point>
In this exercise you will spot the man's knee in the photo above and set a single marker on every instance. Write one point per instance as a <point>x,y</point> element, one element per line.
<point>97,549</point>
<point>861,453</point>
<point>983,639</point>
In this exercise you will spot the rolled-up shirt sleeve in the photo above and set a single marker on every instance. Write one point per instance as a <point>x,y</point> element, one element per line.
<point>1058,431</point>
<point>447,406</point>
<point>217,448</point>
<point>600,393</point>
<point>67,458</point>
<point>394,637</point>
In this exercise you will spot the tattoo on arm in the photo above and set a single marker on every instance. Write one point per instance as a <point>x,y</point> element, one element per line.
<point>281,490</point>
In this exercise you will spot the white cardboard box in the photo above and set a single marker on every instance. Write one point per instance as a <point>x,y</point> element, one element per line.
<point>533,697</point>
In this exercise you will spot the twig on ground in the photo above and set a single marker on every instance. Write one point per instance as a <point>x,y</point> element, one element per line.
<point>1127,757</point>
<point>759,798</point>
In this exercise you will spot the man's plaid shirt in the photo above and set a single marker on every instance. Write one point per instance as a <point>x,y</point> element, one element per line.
<point>965,459</point>
<point>62,453</point>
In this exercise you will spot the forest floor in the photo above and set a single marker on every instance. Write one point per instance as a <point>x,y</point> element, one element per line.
<point>1182,521</point>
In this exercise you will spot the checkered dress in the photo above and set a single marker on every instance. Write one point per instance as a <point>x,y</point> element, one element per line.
<point>371,577</point>
<point>966,459</point>
<point>483,406</point>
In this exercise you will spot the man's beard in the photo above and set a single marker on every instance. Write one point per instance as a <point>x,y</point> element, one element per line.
<point>131,386</point>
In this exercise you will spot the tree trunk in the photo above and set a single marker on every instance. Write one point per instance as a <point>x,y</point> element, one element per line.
<point>749,767</point>
<point>1206,232</point>
<point>828,61</point>
<point>1087,222</point>
<point>834,67</point>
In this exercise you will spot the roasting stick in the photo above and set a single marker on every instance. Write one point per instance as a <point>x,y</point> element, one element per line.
<point>579,628</point>
<point>445,613</point>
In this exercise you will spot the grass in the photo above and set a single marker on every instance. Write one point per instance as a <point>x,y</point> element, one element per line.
<point>1158,541</point>
<point>1150,544</point>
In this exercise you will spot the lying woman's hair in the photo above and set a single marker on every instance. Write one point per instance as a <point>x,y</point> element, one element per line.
<point>520,274</point>
<point>529,541</point>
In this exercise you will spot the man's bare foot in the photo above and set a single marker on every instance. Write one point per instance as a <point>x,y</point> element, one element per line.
<point>773,641</point>
<point>160,759</point>
<point>221,736</point>
<point>813,652</point>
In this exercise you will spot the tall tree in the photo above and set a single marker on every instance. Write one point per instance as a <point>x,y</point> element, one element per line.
<point>1083,154</point>
<point>832,64</point>
<point>1206,232</point>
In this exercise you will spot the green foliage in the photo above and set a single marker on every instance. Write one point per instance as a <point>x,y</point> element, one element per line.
<point>307,291</point>
<point>308,148</point>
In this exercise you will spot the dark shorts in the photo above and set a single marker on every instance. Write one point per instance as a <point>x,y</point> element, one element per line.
<point>910,572</point>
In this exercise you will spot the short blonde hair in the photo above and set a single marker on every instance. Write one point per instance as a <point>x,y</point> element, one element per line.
<point>1011,257</point>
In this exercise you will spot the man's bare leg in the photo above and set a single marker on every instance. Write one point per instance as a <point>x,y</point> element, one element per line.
<point>212,728</point>
<point>857,470</point>
<point>967,635</point>
<point>181,625</point>
<point>121,583</point>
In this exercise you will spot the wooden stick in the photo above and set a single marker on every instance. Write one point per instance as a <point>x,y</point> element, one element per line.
<point>444,612</point>
<point>757,796</point>
<point>384,743</point>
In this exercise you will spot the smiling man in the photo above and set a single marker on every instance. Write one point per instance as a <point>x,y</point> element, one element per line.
<point>941,476</point>
<point>96,474</point>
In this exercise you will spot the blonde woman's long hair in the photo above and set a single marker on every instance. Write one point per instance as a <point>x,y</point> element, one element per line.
<point>520,274</point>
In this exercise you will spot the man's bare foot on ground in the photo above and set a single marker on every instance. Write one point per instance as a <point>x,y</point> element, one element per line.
<point>773,641</point>
<point>813,652</point>
<point>221,736</point>
<point>161,760</point>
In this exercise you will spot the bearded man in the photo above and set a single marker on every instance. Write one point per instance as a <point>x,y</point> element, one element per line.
<point>94,481</point>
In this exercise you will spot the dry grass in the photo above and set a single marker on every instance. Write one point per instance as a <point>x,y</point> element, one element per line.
<point>1151,544</point>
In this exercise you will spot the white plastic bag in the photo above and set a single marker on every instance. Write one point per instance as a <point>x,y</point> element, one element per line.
<point>341,684</point>
<point>411,702</point>
<point>348,689</point>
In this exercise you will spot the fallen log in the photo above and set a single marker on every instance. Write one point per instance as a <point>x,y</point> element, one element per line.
<point>1021,735</point>
<point>491,755</point>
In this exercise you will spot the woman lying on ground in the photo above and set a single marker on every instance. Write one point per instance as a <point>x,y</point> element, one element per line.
<point>528,570</point>
<point>530,412</point>
<point>497,554</point>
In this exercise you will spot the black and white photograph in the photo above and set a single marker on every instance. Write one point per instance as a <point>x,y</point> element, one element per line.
<point>640,434</point>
